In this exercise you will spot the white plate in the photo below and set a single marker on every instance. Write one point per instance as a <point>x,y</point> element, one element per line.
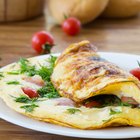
<point>125,61</point>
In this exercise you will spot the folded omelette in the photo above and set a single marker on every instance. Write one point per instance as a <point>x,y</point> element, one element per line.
<point>78,89</point>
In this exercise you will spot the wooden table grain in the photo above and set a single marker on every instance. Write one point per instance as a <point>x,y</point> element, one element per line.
<point>15,42</point>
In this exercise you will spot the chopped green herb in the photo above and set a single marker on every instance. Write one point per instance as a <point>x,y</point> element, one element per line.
<point>13,72</point>
<point>13,83</point>
<point>112,112</point>
<point>73,110</point>
<point>48,91</point>
<point>1,75</point>
<point>22,99</point>
<point>23,61</point>
<point>106,120</point>
<point>125,104</point>
<point>51,61</point>
<point>29,108</point>
<point>26,67</point>
<point>46,72</point>
<point>25,99</point>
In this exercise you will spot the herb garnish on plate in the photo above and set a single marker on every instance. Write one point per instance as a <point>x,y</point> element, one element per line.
<point>13,83</point>
<point>113,111</point>
<point>47,91</point>
<point>73,110</point>
<point>29,108</point>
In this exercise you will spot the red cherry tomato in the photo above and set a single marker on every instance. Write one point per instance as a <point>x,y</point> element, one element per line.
<point>30,92</point>
<point>42,42</point>
<point>136,72</point>
<point>71,26</point>
<point>92,104</point>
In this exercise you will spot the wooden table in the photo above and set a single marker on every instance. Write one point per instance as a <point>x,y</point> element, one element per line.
<point>108,35</point>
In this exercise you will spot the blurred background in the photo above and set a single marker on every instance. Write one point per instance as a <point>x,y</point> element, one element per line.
<point>112,25</point>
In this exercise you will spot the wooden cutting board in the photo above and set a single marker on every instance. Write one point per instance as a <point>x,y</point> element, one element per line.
<point>15,42</point>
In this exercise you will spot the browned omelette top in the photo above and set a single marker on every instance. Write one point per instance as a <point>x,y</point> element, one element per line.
<point>80,72</point>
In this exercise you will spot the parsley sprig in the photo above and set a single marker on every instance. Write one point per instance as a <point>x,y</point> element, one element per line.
<point>26,67</point>
<point>13,83</point>
<point>113,111</point>
<point>25,99</point>
<point>29,108</point>
<point>1,75</point>
<point>30,103</point>
<point>46,72</point>
<point>47,91</point>
<point>13,72</point>
<point>73,110</point>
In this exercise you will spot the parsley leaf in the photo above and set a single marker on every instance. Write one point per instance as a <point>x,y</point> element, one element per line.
<point>23,64</point>
<point>13,72</point>
<point>46,72</point>
<point>112,112</point>
<point>106,120</point>
<point>13,83</point>
<point>73,110</point>
<point>29,108</point>
<point>1,75</point>
<point>25,99</point>
<point>125,104</point>
<point>26,67</point>
<point>48,91</point>
<point>51,61</point>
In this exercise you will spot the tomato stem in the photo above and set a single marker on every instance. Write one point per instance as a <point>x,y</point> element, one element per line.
<point>138,63</point>
<point>47,48</point>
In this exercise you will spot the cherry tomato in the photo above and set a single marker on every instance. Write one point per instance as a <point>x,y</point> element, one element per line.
<point>42,42</point>
<point>71,26</point>
<point>129,100</point>
<point>30,92</point>
<point>92,104</point>
<point>136,72</point>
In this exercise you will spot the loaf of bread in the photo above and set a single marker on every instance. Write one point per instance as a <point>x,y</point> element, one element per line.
<point>84,10</point>
<point>122,8</point>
